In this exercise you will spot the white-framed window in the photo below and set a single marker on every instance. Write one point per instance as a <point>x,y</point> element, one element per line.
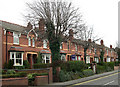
<point>79,58</point>
<point>87,59</point>
<point>63,57</point>
<point>95,50</point>
<point>29,41</point>
<point>33,42</point>
<point>61,45</point>
<point>15,38</point>
<point>44,43</point>
<point>76,57</point>
<point>17,57</point>
<point>97,60</point>
<point>46,58</point>
<point>111,52</point>
<point>108,59</point>
<point>107,51</point>
<point>76,47</point>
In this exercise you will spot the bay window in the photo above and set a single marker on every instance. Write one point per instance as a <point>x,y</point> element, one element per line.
<point>17,57</point>
<point>15,38</point>
<point>46,58</point>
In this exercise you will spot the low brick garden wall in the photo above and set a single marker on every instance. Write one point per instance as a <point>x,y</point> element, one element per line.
<point>15,81</point>
<point>39,80</point>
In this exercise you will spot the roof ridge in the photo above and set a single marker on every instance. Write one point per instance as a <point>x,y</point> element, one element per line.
<point>13,23</point>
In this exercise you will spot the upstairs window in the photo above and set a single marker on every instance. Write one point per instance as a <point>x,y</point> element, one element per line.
<point>95,51</point>
<point>61,45</point>
<point>68,45</point>
<point>76,47</point>
<point>44,43</point>
<point>15,38</point>
<point>33,42</point>
<point>29,41</point>
<point>111,52</point>
<point>107,51</point>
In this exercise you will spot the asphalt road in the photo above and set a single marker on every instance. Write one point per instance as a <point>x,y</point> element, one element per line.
<point>109,80</point>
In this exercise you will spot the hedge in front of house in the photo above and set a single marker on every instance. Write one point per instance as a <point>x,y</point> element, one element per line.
<point>19,74</point>
<point>73,66</point>
<point>88,72</point>
<point>41,65</point>
<point>104,67</point>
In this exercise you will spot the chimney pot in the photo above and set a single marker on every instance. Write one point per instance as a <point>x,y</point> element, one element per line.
<point>89,40</point>
<point>41,24</point>
<point>101,42</point>
<point>110,46</point>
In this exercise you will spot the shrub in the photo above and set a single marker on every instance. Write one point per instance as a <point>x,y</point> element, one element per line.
<point>26,64</point>
<point>62,76</point>
<point>9,65</point>
<point>88,72</point>
<point>111,65</point>
<point>100,69</point>
<point>73,66</point>
<point>10,72</point>
<point>68,76</point>
<point>41,65</point>
<point>116,63</point>
<point>39,59</point>
<point>22,74</point>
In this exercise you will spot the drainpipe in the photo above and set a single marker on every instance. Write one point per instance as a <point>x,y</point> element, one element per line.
<point>6,46</point>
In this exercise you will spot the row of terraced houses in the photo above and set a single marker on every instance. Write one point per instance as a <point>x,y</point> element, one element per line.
<point>20,43</point>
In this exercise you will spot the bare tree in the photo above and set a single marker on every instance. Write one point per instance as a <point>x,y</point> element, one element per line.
<point>58,17</point>
<point>86,35</point>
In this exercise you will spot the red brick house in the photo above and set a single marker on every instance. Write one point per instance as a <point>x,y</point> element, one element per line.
<point>21,43</point>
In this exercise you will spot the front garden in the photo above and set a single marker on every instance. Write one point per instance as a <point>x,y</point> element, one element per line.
<point>62,71</point>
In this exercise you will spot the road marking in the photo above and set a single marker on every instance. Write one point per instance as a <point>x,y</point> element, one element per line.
<point>109,82</point>
<point>94,79</point>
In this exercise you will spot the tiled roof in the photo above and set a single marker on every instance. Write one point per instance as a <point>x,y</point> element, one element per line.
<point>12,27</point>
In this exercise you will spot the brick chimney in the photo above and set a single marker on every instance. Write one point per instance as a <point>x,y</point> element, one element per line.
<point>29,25</point>
<point>89,40</point>
<point>41,24</point>
<point>110,46</point>
<point>70,34</point>
<point>101,42</point>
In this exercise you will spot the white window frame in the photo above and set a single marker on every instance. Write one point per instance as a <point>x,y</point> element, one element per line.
<point>15,36</point>
<point>76,47</point>
<point>108,59</point>
<point>61,45</point>
<point>107,51</point>
<point>111,52</point>
<point>15,64</point>
<point>44,57</point>
<point>63,57</point>
<point>29,41</point>
<point>79,58</point>
<point>44,43</point>
<point>33,42</point>
<point>76,58</point>
<point>96,60</point>
<point>87,59</point>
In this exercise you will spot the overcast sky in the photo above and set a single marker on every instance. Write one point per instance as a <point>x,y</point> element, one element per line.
<point>101,14</point>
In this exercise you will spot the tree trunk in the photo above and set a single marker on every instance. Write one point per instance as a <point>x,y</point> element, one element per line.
<point>55,50</point>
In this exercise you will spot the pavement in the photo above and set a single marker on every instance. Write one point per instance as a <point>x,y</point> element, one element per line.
<point>68,83</point>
